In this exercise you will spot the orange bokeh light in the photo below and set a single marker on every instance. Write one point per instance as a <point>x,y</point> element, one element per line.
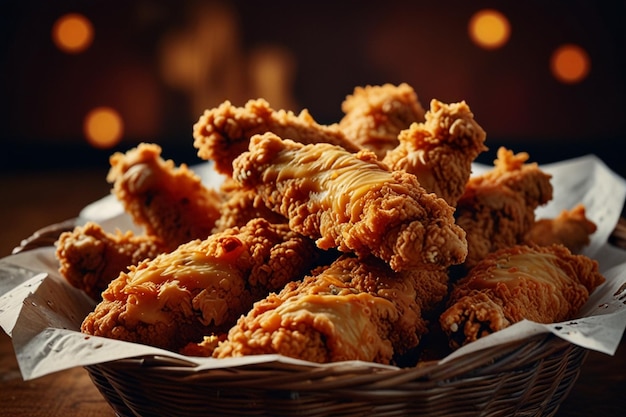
<point>103,127</point>
<point>570,64</point>
<point>489,29</point>
<point>72,33</point>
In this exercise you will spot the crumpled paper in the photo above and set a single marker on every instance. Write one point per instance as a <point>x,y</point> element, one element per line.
<point>42,312</point>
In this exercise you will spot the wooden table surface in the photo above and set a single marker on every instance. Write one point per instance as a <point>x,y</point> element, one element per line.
<point>36,200</point>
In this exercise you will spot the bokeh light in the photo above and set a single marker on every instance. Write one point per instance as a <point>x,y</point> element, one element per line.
<point>103,127</point>
<point>570,64</point>
<point>489,29</point>
<point>72,33</point>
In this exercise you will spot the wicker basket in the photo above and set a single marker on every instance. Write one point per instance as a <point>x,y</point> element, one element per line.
<point>529,378</point>
<point>526,378</point>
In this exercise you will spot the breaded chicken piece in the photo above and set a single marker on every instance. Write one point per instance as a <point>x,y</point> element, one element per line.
<point>440,151</point>
<point>222,133</point>
<point>351,202</point>
<point>374,115</point>
<point>497,208</point>
<point>545,284</point>
<point>90,258</point>
<point>202,287</point>
<point>570,228</point>
<point>351,310</point>
<point>205,348</point>
<point>242,205</point>
<point>170,202</point>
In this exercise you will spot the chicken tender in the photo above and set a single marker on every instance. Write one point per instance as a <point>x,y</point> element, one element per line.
<point>374,115</point>
<point>90,258</point>
<point>570,228</point>
<point>545,284</point>
<point>498,207</point>
<point>351,202</point>
<point>351,310</point>
<point>440,151</point>
<point>222,133</point>
<point>170,203</point>
<point>202,287</point>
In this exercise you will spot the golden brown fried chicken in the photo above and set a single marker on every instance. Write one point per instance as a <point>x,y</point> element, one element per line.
<point>497,208</point>
<point>440,151</point>
<point>352,202</point>
<point>202,287</point>
<point>222,133</point>
<point>171,203</point>
<point>374,115</point>
<point>91,258</point>
<point>205,348</point>
<point>570,228</point>
<point>544,284</point>
<point>351,310</point>
<point>242,205</point>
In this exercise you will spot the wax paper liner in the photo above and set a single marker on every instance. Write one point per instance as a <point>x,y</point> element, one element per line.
<point>43,313</point>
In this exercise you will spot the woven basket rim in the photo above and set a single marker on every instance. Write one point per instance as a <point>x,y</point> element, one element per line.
<point>527,377</point>
<point>500,358</point>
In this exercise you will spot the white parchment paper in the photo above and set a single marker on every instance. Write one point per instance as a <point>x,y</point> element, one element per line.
<point>42,312</point>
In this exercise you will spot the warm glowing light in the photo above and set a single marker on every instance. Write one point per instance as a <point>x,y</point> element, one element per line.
<point>489,29</point>
<point>570,64</point>
<point>103,127</point>
<point>72,33</point>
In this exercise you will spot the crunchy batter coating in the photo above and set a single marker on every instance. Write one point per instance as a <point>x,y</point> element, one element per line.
<point>375,115</point>
<point>351,202</point>
<point>202,287</point>
<point>570,228</point>
<point>171,203</point>
<point>545,284</point>
<point>222,133</point>
<point>90,258</point>
<point>331,242</point>
<point>241,205</point>
<point>498,207</point>
<point>351,310</point>
<point>440,151</point>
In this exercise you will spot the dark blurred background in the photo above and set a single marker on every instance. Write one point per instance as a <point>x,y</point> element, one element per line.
<point>158,64</point>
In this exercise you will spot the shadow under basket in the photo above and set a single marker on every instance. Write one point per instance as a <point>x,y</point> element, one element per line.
<point>526,378</point>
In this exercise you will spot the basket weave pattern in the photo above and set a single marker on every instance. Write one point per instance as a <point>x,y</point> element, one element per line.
<point>529,378</point>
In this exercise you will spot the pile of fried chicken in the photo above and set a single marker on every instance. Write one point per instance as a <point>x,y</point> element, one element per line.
<point>359,240</point>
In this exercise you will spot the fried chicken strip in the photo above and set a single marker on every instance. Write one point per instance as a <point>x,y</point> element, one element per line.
<point>544,284</point>
<point>90,258</point>
<point>440,151</point>
<point>222,133</point>
<point>351,310</point>
<point>202,287</point>
<point>498,207</point>
<point>351,202</point>
<point>570,228</point>
<point>374,115</point>
<point>170,202</point>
